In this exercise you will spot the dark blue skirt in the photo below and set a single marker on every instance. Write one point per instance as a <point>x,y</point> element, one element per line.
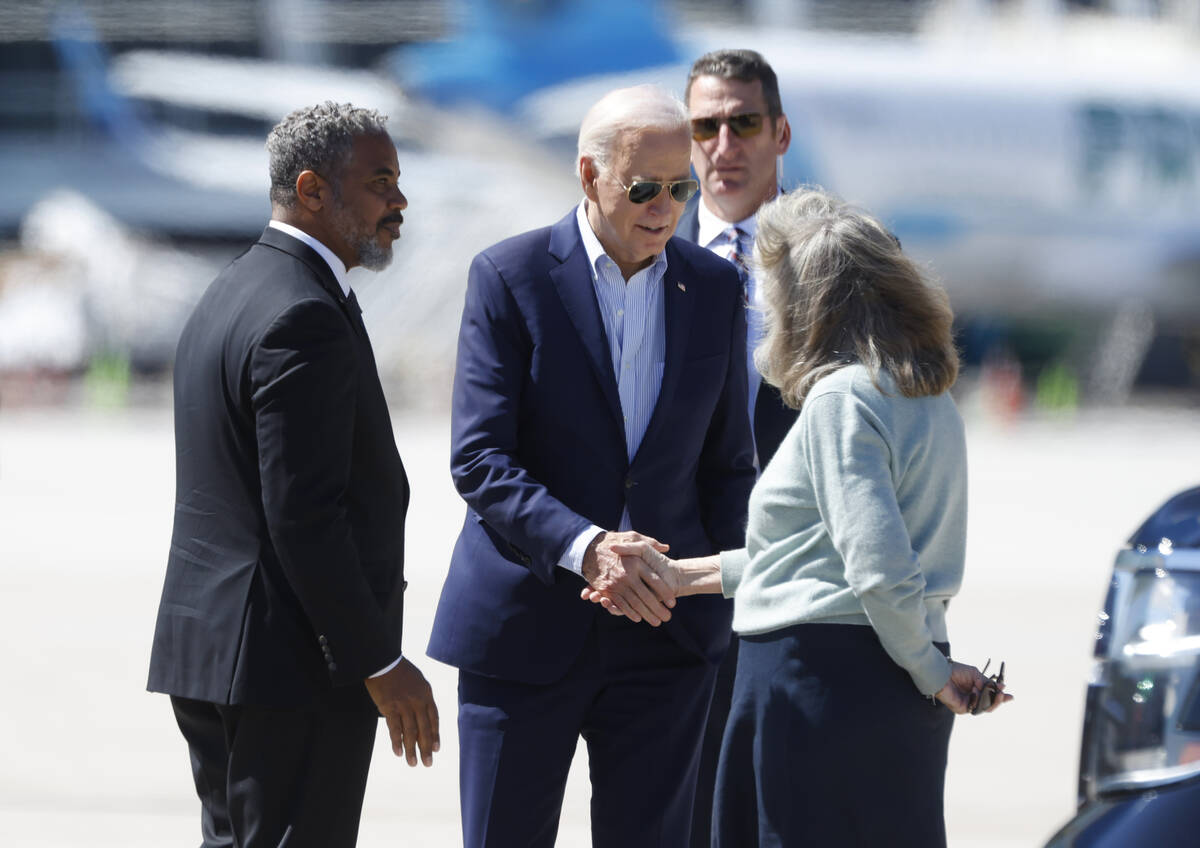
<point>829,743</point>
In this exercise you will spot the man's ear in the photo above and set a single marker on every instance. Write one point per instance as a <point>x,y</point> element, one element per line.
<point>589,173</point>
<point>783,135</point>
<point>310,191</point>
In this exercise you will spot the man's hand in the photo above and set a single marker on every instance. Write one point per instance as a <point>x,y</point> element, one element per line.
<point>964,685</point>
<point>697,576</point>
<point>405,700</point>
<point>632,587</point>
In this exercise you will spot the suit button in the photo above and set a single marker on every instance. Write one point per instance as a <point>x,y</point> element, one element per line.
<point>323,641</point>
<point>333,666</point>
<point>628,482</point>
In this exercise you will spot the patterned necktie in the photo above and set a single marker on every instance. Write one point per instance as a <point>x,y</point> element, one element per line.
<point>738,258</point>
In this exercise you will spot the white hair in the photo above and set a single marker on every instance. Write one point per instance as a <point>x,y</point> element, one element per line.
<point>642,107</point>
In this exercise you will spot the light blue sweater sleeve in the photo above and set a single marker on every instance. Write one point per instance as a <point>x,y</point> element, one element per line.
<point>733,566</point>
<point>847,450</point>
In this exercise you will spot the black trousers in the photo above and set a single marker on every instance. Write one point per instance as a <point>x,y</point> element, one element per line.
<point>272,778</point>
<point>829,743</point>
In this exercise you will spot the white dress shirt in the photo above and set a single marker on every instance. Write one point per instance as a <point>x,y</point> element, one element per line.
<point>336,265</point>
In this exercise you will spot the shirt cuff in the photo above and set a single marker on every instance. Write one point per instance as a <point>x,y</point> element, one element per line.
<point>572,560</point>
<point>386,669</point>
<point>733,566</point>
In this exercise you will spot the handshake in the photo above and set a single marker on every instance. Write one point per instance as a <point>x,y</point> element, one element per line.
<point>629,574</point>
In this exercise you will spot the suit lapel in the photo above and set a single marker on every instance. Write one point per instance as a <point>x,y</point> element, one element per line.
<point>573,282</point>
<point>280,240</point>
<point>678,304</point>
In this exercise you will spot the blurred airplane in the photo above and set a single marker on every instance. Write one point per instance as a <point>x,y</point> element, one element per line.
<point>184,118</point>
<point>1029,178</point>
<point>180,152</point>
<point>1043,172</point>
<point>1047,180</point>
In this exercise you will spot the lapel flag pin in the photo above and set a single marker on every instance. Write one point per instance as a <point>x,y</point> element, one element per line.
<point>682,287</point>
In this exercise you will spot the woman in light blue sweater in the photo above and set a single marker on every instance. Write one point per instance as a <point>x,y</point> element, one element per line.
<point>845,693</point>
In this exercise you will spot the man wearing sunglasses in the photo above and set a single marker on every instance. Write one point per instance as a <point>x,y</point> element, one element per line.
<point>739,132</point>
<point>599,395</point>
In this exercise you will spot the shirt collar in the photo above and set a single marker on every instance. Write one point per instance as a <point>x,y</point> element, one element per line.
<point>335,265</point>
<point>711,227</point>
<point>595,250</point>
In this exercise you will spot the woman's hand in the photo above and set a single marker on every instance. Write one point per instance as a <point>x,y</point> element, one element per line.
<point>964,686</point>
<point>678,577</point>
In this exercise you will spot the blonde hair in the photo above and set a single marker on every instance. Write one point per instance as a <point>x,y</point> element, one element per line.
<point>838,289</point>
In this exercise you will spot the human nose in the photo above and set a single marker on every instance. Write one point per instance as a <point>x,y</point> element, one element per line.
<point>660,204</point>
<point>726,139</point>
<point>397,198</point>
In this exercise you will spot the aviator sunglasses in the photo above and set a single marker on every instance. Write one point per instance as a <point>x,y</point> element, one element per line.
<point>643,191</point>
<point>743,126</point>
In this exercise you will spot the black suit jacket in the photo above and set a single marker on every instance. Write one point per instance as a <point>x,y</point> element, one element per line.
<point>772,417</point>
<point>284,583</point>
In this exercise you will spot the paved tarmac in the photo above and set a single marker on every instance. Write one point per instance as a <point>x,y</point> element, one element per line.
<point>87,757</point>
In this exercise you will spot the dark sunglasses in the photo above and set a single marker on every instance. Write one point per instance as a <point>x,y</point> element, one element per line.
<point>990,691</point>
<point>643,191</point>
<point>743,126</point>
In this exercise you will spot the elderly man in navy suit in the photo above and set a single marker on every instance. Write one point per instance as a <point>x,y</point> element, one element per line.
<point>600,394</point>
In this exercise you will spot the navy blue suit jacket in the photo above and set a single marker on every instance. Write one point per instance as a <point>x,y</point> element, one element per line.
<point>772,417</point>
<point>538,450</point>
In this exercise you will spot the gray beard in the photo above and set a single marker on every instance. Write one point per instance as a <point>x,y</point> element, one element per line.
<point>372,255</point>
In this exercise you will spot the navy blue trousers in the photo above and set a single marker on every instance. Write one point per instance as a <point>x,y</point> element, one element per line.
<point>710,749</point>
<point>638,699</point>
<point>829,743</point>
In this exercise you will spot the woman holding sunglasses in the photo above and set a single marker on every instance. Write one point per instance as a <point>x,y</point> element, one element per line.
<point>845,694</point>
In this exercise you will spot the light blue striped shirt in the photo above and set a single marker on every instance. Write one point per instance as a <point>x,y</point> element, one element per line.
<point>632,312</point>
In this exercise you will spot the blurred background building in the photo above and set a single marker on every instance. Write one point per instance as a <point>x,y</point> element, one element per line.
<point>1042,158</point>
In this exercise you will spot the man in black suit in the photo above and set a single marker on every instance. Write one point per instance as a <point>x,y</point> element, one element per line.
<point>739,131</point>
<point>278,635</point>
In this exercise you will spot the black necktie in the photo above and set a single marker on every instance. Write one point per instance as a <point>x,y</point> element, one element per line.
<point>356,314</point>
